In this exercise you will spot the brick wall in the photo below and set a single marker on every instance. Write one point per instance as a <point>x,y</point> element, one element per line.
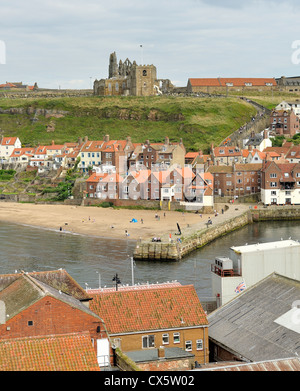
<point>50,316</point>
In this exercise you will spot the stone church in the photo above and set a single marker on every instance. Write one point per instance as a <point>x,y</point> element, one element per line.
<point>129,79</point>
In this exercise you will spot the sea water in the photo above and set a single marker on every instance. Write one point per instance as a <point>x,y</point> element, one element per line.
<point>94,261</point>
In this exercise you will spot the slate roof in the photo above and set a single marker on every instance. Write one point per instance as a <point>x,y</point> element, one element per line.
<point>72,352</point>
<point>246,325</point>
<point>149,309</point>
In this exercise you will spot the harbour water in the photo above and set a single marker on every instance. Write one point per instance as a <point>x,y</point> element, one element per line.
<point>94,261</point>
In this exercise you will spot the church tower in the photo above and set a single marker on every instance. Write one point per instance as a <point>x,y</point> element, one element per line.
<point>113,66</point>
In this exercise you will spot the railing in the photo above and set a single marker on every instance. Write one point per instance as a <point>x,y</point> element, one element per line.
<point>223,273</point>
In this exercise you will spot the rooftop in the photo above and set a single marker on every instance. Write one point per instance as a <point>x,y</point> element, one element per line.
<point>265,246</point>
<point>254,326</point>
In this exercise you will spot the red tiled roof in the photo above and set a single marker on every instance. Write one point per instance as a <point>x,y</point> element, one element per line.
<point>213,82</point>
<point>72,352</point>
<point>149,309</point>
<point>237,82</point>
<point>227,151</point>
<point>240,82</point>
<point>9,140</point>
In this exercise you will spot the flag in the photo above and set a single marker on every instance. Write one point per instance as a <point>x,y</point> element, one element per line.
<point>240,288</point>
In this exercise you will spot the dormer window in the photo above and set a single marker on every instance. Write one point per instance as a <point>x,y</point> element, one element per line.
<point>221,150</point>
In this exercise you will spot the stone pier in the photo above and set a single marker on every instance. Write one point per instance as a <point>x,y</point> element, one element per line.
<point>174,250</point>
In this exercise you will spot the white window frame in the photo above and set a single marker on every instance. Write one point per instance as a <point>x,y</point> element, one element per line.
<point>165,339</point>
<point>149,343</point>
<point>199,344</point>
<point>175,337</point>
<point>188,346</point>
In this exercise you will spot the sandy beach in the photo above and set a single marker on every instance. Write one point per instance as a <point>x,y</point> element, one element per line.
<point>107,222</point>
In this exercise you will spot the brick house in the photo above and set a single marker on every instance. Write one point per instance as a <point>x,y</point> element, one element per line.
<point>284,122</point>
<point>49,303</point>
<point>237,179</point>
<point>161,155</point>
<point>280,183</point>
<point>146,317</point>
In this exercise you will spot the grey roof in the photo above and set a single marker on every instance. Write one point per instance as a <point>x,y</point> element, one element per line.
<point>246,325</point>
<point>152,354</point>
<point>257,139</point>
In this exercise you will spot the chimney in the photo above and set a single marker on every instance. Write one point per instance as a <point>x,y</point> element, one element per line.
<point>106,138</point>
<point>250,147</point>
<point>252,134</point>
<point>80,140</point>
<point>52,142</point>
<point>161,352</point>
<point>265,134</point>
<point>147,142</point>
<point>86,139</point>
<point>167,141</point>
<point>2,312</point>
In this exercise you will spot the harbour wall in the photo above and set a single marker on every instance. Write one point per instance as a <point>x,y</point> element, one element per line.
<point>176,250</point>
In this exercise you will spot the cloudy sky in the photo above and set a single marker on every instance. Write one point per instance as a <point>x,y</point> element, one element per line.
<point>67,43</point>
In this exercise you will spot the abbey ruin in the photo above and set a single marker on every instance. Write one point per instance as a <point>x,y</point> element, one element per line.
<point>129,79</point>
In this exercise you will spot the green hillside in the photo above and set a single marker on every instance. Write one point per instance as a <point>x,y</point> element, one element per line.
<point>198,121</point>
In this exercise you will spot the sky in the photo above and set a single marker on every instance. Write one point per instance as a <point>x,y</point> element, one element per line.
<point>67,43</point>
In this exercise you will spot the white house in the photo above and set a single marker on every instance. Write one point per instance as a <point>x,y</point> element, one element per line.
<point>8,144</point>
<point>295,106</point>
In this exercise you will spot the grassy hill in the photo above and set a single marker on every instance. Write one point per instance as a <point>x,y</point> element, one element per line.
<point>198,121</point>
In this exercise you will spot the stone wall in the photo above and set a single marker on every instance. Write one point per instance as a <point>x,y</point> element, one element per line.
<point>175,251</point>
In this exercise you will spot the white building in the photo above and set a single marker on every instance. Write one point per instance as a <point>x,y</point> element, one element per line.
<point>251,263</point>
<point>295,106</point>
<point>7,146</point>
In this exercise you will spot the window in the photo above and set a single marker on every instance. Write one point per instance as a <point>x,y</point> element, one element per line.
<point>273,193</point>
<point>188,346</point>
<point>239,181</point>
<point>144,72</point>
<point>176,337</point>
<point>199,344</point>
<point>286,174</point>
<point>273,175</point>
<point>148,341</point>
<point>273,184</point>
<point>165,339</point>
<point>228,183</point>
<point>30,323</point>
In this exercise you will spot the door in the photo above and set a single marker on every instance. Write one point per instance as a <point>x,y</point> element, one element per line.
<point>103,352</point>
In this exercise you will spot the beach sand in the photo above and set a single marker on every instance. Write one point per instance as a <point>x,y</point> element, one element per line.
<point>105,222</point>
